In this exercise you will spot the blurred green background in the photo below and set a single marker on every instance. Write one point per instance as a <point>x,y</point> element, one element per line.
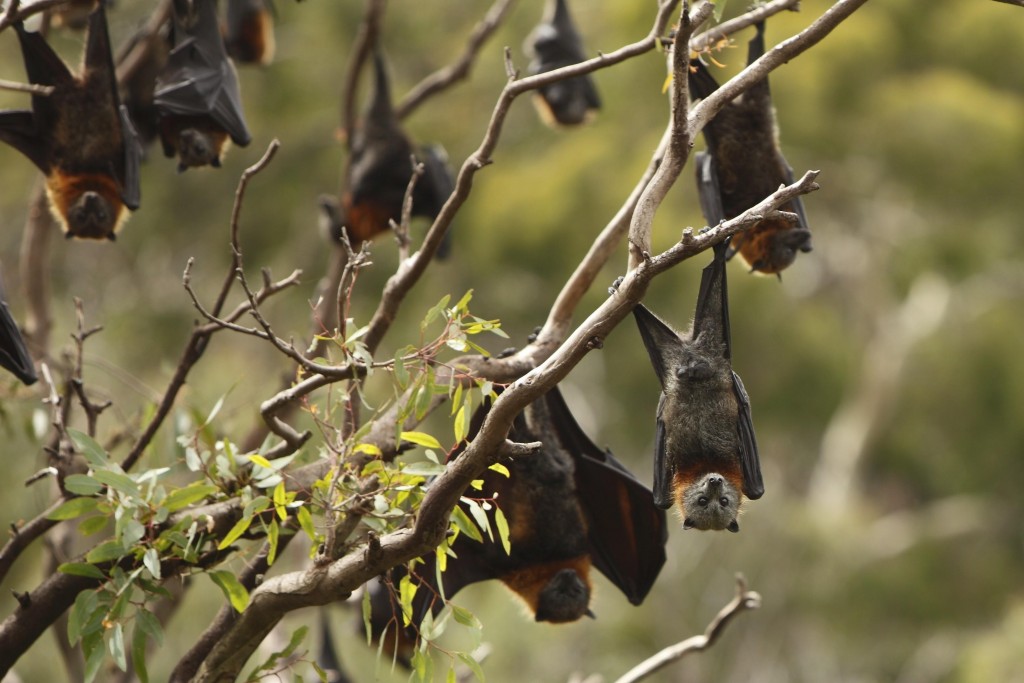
<point>885,370</point>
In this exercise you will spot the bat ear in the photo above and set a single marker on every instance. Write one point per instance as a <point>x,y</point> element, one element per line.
<point>689,523</point>
<point>734,526</point>
<point>590,613</point>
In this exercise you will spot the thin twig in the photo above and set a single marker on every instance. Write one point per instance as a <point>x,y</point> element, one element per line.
<point>743,601</point>
<point>31,88</point>
<point>445,77</point>
<point>757,13</point>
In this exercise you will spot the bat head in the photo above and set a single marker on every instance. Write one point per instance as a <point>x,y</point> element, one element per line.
<point>565,597</point>
<point>89,206</point>
<point>200,148</point>
<point>710,503</point>
<point>784,247</point>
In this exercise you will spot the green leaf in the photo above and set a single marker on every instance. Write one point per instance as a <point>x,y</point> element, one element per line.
<point>121,483</point>
<point>500,469</point>
<point>465,617</point>
<point>233,590</point>
<point>76,507</point>
<point>82,485</point>
<point>421,439</point>
<point>401,373</point>
<point>139,654</point>
<point>237,530</point>
<point>719,10</point>
<point>464,301</point>
<point>85,604</point>
<point>473,665</point>
<point>306,522</point>
<point>81,569</point>
<point>280,496</point>
<point>435,311</point>
<point>296,640</point>
<point>151,560</point>
<point>132,532</point>
<point>502,524</point>
<point>261,461</point>
<point>255,506</point>
<point>92,648</point>
<point>465,524</point>
<point>183,497</point>
<point>406,592</point>
<point>273,533</point>
<point>104,552</point>
<point>93,452</point>
<point>91,525</point>
<point>116,646</point>
<point>369,449</point>
<point>461,424</point>
<point>479,516</point>
<point>457,398</point>
<point>450,678</point>
<point>150,625</point>
<point>423,469</point>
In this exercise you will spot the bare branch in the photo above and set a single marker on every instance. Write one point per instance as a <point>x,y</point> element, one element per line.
<point>758,13</point>
<point>34,271</point>
<point>460,69</point>
<point>15,13</point>
<point>31,88</point>
<point>743,601</point>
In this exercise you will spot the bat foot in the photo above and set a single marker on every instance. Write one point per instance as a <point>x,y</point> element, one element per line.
<point>532,337</point>
<point>615,284</point>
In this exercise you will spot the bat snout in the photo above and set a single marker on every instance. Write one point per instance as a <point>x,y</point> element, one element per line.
<point>91,216</point>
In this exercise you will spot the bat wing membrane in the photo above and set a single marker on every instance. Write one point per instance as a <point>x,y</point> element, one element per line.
<point>750,461</point>
<point>626,532</point>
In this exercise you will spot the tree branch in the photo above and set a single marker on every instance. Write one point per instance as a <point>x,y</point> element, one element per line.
<point>743,601</point>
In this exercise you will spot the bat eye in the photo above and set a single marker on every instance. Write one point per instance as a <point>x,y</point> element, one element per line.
<point>702,501</point>
<point>723,501</point>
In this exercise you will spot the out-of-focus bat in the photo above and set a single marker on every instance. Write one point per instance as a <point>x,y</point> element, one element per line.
<point>79,136</point>
<point>743,165</point>
<point>380,170</point>
<point>74,14</point>
<point>569,506</point>
<point>705,453</point>
<point>249,31</point>
<point>13,354</point>
<point>138,86</point>
<point>555,43</point>
<point>197,95</point>
<point>328,660</point>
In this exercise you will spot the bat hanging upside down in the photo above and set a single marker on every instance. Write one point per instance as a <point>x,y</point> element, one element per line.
<point>705,453</point>
<point>742,166</point>
<point>570,506</point>
<point>198,100</point>
<point>79,136</point>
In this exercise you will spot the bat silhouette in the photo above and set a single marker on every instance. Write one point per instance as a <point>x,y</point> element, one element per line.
<point>380,170</point>
<point>79,136</point>
<point>13,354</point>
<point>743,165</point>
<point>138,84</point>
<point>705,453</point>
<point>197,96</point>
<point>570,506</point>
<point>249,31</point>
<point>555,43</point>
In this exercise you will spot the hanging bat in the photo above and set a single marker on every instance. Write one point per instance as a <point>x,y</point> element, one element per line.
<point>13,354</point>
<point>570,506</point>
<point>705,453</point>
<point>79,136</point>
<point>379,173</point>
<point>555,43</point>
<point>197,95</point>
<point>743,165</point>
<point>249,31</point>
<point>138,83</point>
<point>328,660</point>
<point>73,14</point>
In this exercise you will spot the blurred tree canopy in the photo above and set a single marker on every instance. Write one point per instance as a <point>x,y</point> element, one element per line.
<point>885,370</point>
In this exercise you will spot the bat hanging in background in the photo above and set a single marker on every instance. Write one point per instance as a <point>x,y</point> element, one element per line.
<point>13,354</point>
<point>197,95</point>
<point>705,453</point>
<point>570,506</point>
<point>743,165</point>
<point>555,43</point>
<point>138,85</point>
<point>379,173</point>
<point>249,31</point>
<point>73,14</point>
<point>328,660</point>
<point>79,136</point>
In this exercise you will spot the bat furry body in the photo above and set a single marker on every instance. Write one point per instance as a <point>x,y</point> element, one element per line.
<point>706,455</point>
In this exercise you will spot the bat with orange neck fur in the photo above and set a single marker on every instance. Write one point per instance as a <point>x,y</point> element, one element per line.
<point>570,507</point>
<point>79,136</point>
<point>197,98</point>
<point>743,165</point>
<point>705,457</point>
<point>249,31</point>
